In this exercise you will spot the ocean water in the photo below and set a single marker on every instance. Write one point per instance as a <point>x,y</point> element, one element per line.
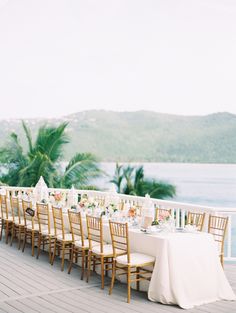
<point>204,184</point>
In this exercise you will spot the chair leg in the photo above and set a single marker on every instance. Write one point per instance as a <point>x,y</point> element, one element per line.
<point>25,237</point>
<point>222,260</point>
<point>102,272</point>
<point>39,245</point>
<point>19,238</point>
<point>113,276</point>
<point>71,259</point>
<point>2,225</point>
<point>49,249</point>
<point>7,231</point>
<point>63,256</point>
<point>82,265</point>
<point>12,234</point>
<point>137,277</point>
<point>128,284</point>
<point>89,265</point>
<point>54,252</point>
<point>32,243</point>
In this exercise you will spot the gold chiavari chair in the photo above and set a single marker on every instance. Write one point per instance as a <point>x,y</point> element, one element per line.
<point>46,233</point>
<point>18,220</point>
<point>99,252</point>
<point>217,226</point>
<point>7,219</point>
<point>162,213</point>
<point>80,245</point>
<point>129,264</point>
<point>196,219</point>
<point>63,242</point>
<point>31,224</point>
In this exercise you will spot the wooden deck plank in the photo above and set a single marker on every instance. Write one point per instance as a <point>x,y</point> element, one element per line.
<point>29,285</point>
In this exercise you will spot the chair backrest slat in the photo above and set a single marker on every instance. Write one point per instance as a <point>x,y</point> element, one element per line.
<point>43,216</point>
<point>95,230</point>
<point>4,206</point>
<point>217,226</point>
<point>196,219</point>
<point>28,219</point>
<point>58,221</point>
<point>162,213</point>
<point>76,226</point>
<point>120,238</point>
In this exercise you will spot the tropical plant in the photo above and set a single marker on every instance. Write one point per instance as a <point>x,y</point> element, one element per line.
<point>130,180</point>
<point>43,158</point>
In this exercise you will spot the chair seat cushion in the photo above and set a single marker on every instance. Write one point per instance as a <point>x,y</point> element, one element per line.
<point>22,223</point>
<point>10,218</point>
<point>44,231</point>
<point>67,237</point>
<point>107,250</point>
<point>78,243</point>
<point>30,226</point>
<point>136,259</point>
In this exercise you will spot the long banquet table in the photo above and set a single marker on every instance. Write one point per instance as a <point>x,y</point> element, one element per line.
<point>187,271</point>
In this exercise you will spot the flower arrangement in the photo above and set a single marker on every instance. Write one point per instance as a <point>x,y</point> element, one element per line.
<point>132,212</point>
<point>58,198</point>
<point>162,218</point>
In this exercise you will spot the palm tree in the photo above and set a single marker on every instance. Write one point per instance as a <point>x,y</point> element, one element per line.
<point>130,180</point>
<point>43,158</point>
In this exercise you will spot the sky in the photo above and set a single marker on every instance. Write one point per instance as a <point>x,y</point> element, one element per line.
<point>63,56</point>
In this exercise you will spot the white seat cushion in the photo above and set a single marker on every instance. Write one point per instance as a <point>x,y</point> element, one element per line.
<point>67,237</point>
<point>44,231</point>
<point>107,250</point>
<point>22,223</point>
<point>36,227</point>
<point>10,218</point>
<point>86,243</point>
<point>136,259</point>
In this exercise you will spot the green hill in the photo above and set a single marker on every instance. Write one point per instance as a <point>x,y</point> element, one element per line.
<point>145,136</point>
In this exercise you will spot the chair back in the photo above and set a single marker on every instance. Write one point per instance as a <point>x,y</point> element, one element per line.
<point>76,226</point>
<point>162,213</point>
<point>58,221</point>
<point>4,207</point>
<point>196,219</point>
<point>43,216</point>
<point>15,209</point>
<point>217,226</point>
<point>120,238</point>
<point>28,213</point>
<point>95,231</point>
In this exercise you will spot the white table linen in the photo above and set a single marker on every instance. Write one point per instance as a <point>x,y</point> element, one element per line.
<point>187,271</point>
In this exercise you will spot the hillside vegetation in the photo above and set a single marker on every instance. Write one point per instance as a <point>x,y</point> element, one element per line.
<point>143,136</point>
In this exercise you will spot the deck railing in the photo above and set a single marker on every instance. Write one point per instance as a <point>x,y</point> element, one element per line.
<point>179,210</point>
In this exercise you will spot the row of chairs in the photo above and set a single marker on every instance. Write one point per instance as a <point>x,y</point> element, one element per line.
<point>92,250</point>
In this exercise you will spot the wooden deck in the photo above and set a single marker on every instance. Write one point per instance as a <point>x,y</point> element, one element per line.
<point>29,285</point>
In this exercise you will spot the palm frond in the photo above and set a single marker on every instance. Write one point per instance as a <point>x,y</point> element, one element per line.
<point>81,168</point>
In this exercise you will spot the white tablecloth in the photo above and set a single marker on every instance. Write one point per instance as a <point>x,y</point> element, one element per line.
<point>187,271</point>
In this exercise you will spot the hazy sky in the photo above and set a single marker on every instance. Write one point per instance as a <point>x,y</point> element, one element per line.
<point>63,56</point>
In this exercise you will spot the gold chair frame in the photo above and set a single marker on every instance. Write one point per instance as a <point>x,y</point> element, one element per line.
<point>120,241</point>
<point>7,219</point>
<point>18,226</point>
<point>95,234</point>
<point>217,226</point>
<point>76,228</point>
<point>31,230</point>
<point>61,244</point>
<point>196,219</point>
<point>45,235</point>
